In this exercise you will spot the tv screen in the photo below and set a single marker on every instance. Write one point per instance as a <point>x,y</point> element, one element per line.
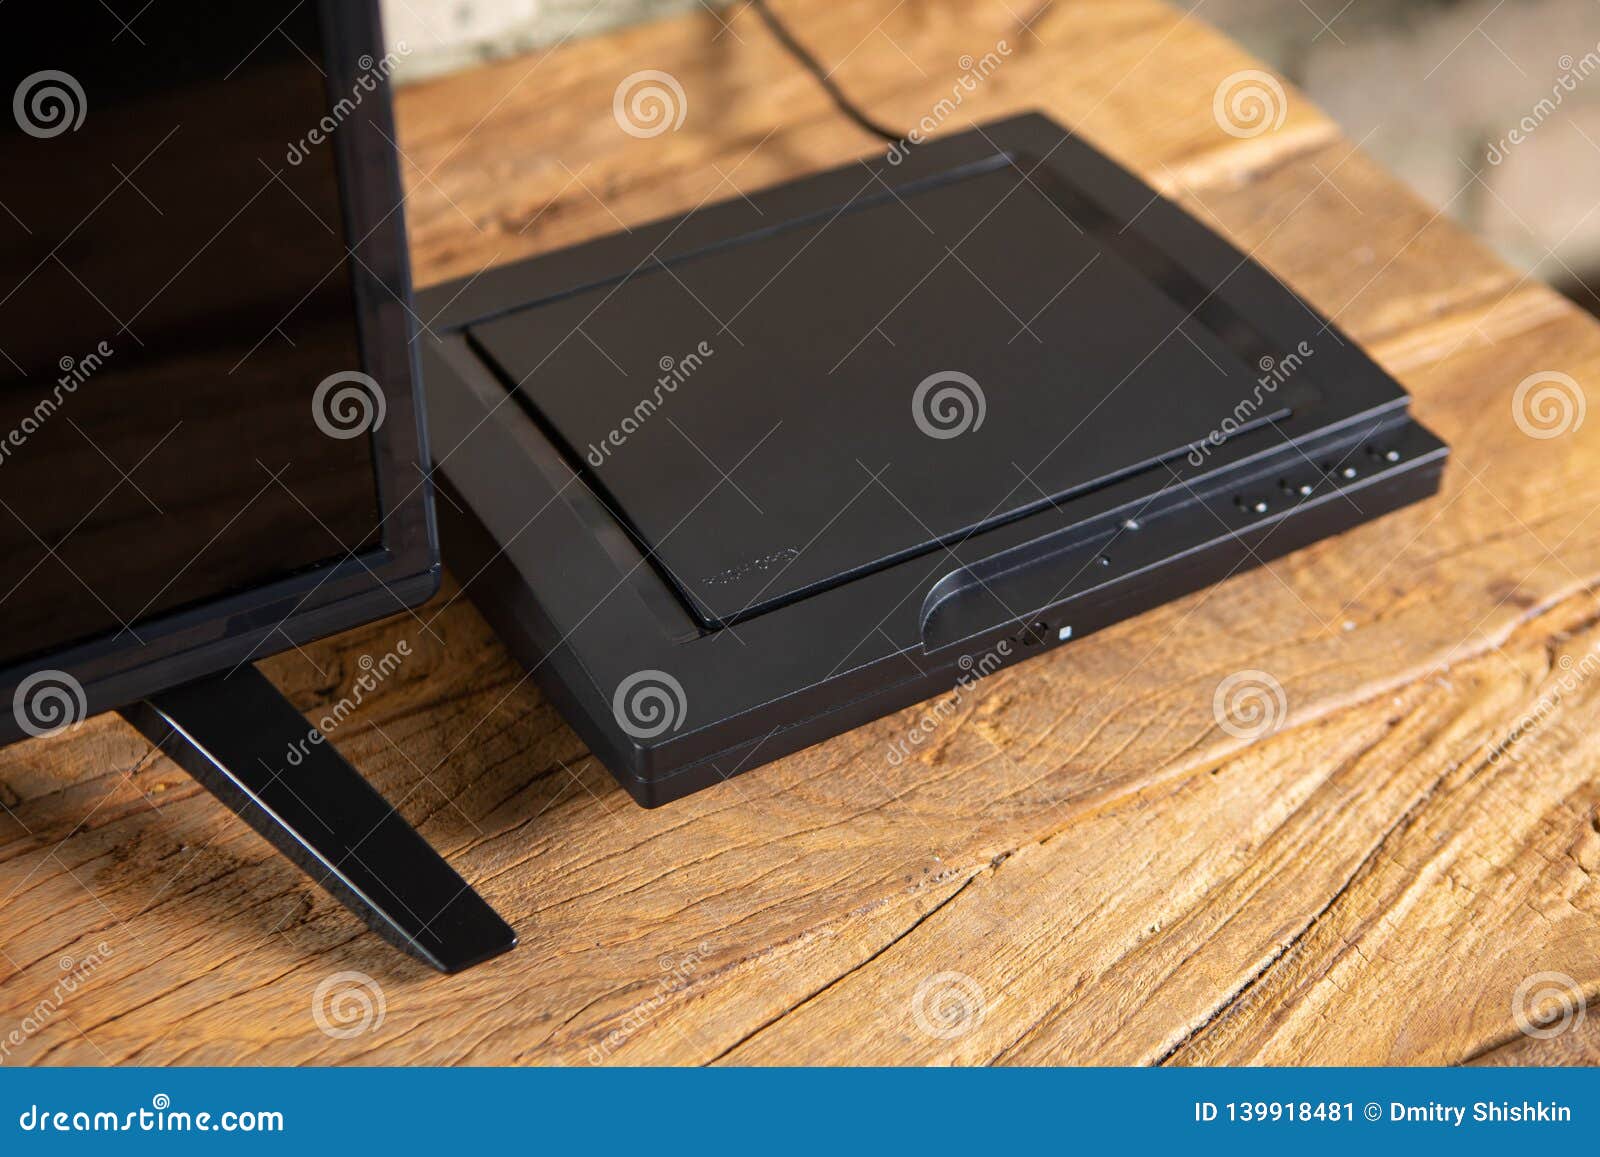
<point>210,443</point>
<point>209,440</point>
<point>174,287</point>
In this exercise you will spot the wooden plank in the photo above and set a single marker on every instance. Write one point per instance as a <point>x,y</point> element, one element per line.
<point>1116,950</point>
<point>1121,879</point>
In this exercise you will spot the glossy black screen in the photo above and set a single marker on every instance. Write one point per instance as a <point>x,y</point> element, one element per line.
<point>174,287</point>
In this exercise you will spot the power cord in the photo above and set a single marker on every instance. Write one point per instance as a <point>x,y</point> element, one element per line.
<point>814,67</point>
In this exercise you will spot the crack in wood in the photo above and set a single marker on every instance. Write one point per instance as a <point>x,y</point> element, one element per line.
<point>1407,820</point>
<point>847,973</point>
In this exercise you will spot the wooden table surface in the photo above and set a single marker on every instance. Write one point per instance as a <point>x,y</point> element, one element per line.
<point>1079,864</point>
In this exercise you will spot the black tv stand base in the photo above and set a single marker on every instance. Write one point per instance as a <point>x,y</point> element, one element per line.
<point>232,733</point>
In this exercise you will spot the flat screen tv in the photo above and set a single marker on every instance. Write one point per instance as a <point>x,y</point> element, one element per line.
<point>210,438</point>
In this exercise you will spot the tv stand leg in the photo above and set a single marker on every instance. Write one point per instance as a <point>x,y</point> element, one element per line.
<point>234,734</point>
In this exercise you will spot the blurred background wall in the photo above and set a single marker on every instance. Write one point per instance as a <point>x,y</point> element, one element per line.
<point>1432,88</point>
<point>444,35</point>
<point>1436,89</point>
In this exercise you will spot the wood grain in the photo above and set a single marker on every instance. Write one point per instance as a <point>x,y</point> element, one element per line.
<point>1078,859</point>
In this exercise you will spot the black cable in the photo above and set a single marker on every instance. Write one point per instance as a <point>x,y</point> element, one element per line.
<point>814,67</point>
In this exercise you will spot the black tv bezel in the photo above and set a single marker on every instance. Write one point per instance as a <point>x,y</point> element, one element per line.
<point>221,633</point>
